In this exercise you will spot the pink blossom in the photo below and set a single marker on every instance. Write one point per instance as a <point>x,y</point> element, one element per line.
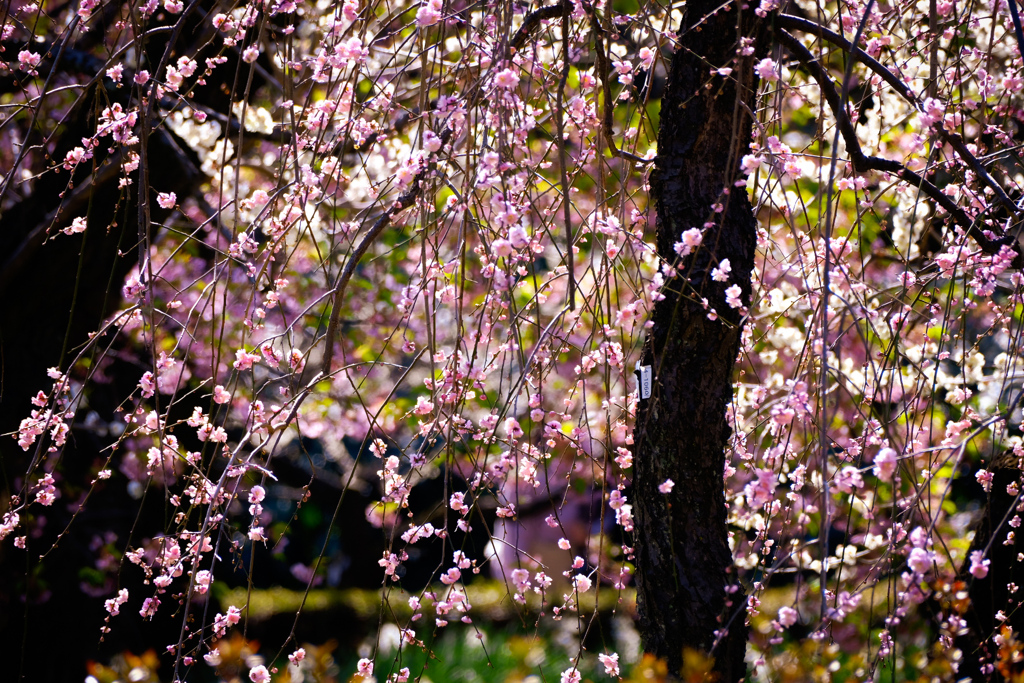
<point>29,60</point>
<point>920,560</point>
<point>149,608</point>
<point>787,616</point>
<point>113,605</point>
<point>518,236</point>
<point>885,463</point>
<point>610,662</point>
<point>732,296</point>
<point>979,566</point>
<point>259,674</point>
<point>501,248</point>
<point>167,200</point>
<point>721,273</point>
<point>506,78</point>
<point>847,479</point>
<point>521,579</point>
<point>364,668</point>
<point>256,494</point>
<point>244,359</point>
<point>9,524</point>
<point>133,287</point>
<point>220,395</point>
<point>77,225</point>
<point>512,428</point>
<point>759,492</point>
<point>766,70</point>
<point>75,157</point>
<point>571,675</point>
<point>429,13</point>
<point>646,56</point>
<point>202,581</point>
<point>665,487</point>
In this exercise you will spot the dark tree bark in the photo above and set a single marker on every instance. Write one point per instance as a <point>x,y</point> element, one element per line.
<point>991,594</point>
<point>683,557</point>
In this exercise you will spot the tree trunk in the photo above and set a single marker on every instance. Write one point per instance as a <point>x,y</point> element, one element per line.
<point>683,557</point>
<point>990,594</point>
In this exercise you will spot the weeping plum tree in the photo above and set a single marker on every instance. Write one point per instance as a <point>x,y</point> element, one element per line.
<point>548,315</point>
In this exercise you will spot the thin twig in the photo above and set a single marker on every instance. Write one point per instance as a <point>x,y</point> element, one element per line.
<point>563,157</point>
<point>607,127</point>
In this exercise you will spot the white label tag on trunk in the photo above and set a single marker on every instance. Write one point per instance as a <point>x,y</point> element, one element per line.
<point>643,378</point>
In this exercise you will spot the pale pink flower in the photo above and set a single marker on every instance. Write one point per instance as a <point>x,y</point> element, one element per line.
<point>113,605</point>
<point>766,70</point>
<point>920,560</point>
<point>78,225</point>
<point>507,78</point>
<point>364,668</point>
<point>501,248</point>
<point>257,493</point>
<point>721,273</point>
<point>979,566</point>
<point>570,675</point>
<point>885,463</point>
<point>732,296</point>
<point>259,674</point>
<point>244,359</point>
<point>787,616</point>
<point>518,236</point>
<point>29,60</point>
<point>512,428</point>
<point>202,582</point>
<point>429,13</point>
<point>610,662</point>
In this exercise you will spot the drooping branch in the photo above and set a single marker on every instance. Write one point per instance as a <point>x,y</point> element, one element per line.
<point>606,88</point>
<point>863,162</point>
<point>408,198</point>
<point>952,139</point>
